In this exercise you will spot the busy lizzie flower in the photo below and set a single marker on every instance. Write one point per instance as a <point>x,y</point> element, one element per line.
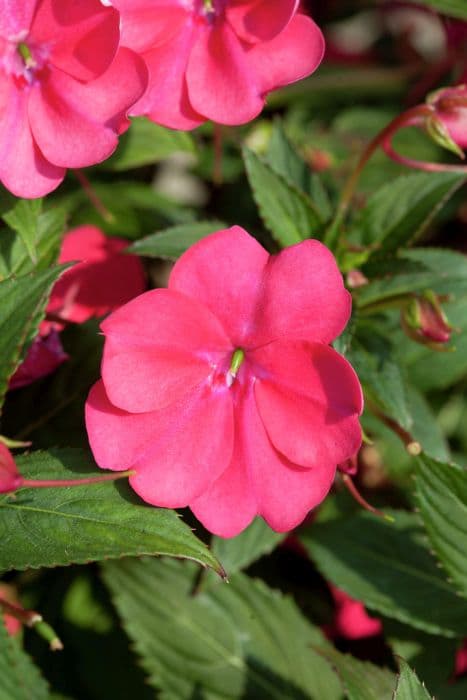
<point>103,279</point>
<point>217,59</point>
<point>222,392</point>
<point>65,89</point>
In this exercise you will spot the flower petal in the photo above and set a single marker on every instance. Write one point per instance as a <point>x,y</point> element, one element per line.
<point>15,17</point>
<point>77,124</point>
<point>158,348</point>
<point>23,168</point>
<point>117,438</point>
<point>260,20</point>
<point>83,35</point>
<point>166,99</point>
<point>230,288</point>
<point>221,83</point>
<point>192,449</point>
<point>145,26</point>
<point>309,401</point>
<point>304,296</point>
<point>293,54</point>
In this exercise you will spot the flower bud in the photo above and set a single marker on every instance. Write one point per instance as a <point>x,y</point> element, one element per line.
<point>448,123</point>
<point>10,478</point>
<point>424,321</point>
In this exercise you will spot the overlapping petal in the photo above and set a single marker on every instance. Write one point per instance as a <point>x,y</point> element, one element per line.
<point>231,287</point>
<point>146,25</point>
<point>315,390</point>
<point>16,17</point>
<point>83,36</point>
<point>290,56</point>
<point>218,77</point>
<point>76,124</point>
<point>261,20</point>
<point>23,168</point>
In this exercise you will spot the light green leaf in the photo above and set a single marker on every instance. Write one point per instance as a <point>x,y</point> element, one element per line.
<point>408,685</point>
<point>171,243</point>
<point>286,211</point>
<point>235,641</point>
<point>20,679</point>
<point>452,8</point>
<point>60,526</point>
<point>389,568</point>
<point>146,143</point>
<point>361,680</point>
<point>14,256</point>
<point>22,305</point>
<point>441,491</point>
<point>239,552</point>
<point>23,218</point>
<point>399,212</point>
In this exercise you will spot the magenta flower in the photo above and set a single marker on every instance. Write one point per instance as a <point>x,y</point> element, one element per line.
<point>65,89</point>
<point>10,478</point>
<point>222,392</point>
<point>43,357</point>
<point>217,59</point>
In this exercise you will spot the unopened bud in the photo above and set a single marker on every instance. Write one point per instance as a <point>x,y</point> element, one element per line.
<point>10,478</point>
<point>424,321</point>
<point>448,124</point>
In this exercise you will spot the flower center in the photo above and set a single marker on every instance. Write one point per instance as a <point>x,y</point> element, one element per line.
<point>22,60</point>
<point>236,362</point>
<point>208,9</point>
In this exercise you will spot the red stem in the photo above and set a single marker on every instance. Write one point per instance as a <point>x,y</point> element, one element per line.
<point>364,503</point>
<point>53,483</point>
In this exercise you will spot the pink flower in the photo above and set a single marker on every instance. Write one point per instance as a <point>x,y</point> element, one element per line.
<point>43,357</point>
<point>105,279</point>
<point>351,620</point>
<point>217,59</point>
<point>222,392</point>
<point>65,89</point>
<point>10,478</point>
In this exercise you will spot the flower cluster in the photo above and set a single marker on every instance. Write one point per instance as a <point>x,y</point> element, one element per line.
<point>72,70</point>
<point>222,392</point>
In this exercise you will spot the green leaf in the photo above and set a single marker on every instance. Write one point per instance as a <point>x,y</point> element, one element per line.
<point>23,218</point>
<point>361,680</point>
<point>22,305</point>
<point>452,8</point>
<point>441,491</point>
<point>239,552</point>
<point>443,271</point>
<point>20,678</point>
<point>240,640</point>
<point>61,526</point>
<point>287,212</point>
<point>399,212</point>
<point>14,255</point>
<point>146,143</point>
<point>408,685</point>
<point>389,568</point>
<point>381,378</point>
<point>171,243</point>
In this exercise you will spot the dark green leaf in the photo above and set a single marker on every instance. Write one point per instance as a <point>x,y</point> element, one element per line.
<point>20,679</point>
<point>287,212</point>
<point>239,552</point>
<point>408,685</point>
<point>442,498</point>
<point>23,218</point>
<point>172,242</point>
<point>400,211</point>
<point>146,143</point>
<point>389,568</point>
<point>60,526</point>
<point>22,304</point>
<point>361,680</point>
<point>238,640</point>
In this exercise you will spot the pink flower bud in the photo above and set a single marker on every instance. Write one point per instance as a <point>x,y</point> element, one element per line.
<point>448,125</point>
<point>10,478</point>
<point>424,321</point>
